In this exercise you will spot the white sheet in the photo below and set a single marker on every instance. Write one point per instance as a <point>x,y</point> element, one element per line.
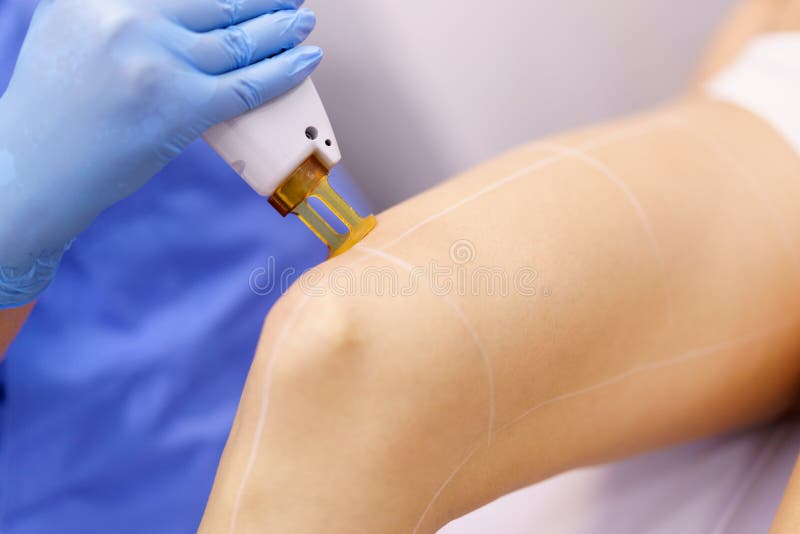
<point>729,485</point>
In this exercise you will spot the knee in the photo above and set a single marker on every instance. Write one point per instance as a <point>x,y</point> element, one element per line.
<point>353,380</point>
<point>318,339</point>
<point>328,353</point>
<point>377,361</point>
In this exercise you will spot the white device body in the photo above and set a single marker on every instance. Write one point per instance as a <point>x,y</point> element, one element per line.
<point>266,145</point>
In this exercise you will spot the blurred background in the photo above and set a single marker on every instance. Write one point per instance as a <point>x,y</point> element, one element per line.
<point>421,90</point>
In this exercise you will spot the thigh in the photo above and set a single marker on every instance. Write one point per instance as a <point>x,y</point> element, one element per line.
<point>572,302</point>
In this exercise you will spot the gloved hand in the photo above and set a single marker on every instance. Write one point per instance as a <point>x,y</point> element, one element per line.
<point>106,92</point>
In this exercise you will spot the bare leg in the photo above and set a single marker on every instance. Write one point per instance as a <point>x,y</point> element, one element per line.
<point>666,252</point>
<point>750,18</point>
<point>788,519</point>
<point>666,309</point>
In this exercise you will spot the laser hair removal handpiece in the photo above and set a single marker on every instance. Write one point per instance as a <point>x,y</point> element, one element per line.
<point>285,151</point>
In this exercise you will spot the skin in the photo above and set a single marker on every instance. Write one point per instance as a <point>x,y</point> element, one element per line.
<point>788,517</point>
<point>748,20</point>
<point>11,322</point>
<point>668,261</point>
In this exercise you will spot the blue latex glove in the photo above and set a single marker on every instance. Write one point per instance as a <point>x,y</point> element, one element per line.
<point>107,92</point>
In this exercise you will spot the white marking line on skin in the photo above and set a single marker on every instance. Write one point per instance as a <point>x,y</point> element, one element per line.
<point>290,323</point>
<point>600,141</point>
<point>637,206</point>
<point>444,485</point>
<point>487,360</point>
<point>722,155</point>
<point>266,389</point>
<point>685,358</point>
<point>265,401</point>
<point>262,418</point>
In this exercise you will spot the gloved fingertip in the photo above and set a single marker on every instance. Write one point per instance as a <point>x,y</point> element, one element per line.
<point>290,4</point>
<point>299,26</point>
<point>305,20</point>
<point>303,60</point>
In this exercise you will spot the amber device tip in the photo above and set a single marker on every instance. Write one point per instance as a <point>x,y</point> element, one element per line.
<point>310,180</point>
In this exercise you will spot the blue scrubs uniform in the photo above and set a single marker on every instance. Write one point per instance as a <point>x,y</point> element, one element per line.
<point>117,397</point>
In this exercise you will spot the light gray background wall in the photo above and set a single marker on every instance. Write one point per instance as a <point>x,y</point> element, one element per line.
<point>420,90</point>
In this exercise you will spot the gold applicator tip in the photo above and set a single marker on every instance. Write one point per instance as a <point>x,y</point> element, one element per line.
<point>310,180</point>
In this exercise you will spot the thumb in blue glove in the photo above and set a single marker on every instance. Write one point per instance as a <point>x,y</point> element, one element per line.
<point>107,92</point>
